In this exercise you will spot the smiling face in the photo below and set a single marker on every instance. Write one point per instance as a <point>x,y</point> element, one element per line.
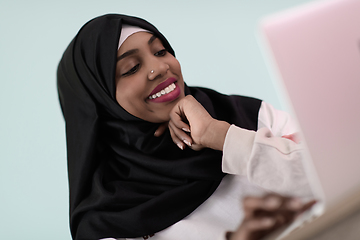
<point>148,78</point>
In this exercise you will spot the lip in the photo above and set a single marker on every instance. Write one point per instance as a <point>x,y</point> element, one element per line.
<point>171,96</point>
<point>163,85</point>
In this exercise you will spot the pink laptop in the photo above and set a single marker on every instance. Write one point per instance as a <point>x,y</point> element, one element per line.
<point>314,51</point>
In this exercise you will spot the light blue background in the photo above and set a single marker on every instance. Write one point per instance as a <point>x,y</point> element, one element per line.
<point>214,41</point>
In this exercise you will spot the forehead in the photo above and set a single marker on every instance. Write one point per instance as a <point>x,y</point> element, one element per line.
<point>136,41</point>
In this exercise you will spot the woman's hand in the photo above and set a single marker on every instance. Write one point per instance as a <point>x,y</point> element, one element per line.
<point>264,215</point>
<point>190,124</point>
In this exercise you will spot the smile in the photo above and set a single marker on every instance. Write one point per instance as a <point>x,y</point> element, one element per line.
<point>164,91</point>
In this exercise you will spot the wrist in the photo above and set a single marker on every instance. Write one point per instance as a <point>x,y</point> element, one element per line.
<point>215,134</point>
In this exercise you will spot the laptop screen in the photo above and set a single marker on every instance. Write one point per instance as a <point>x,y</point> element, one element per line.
<point>316,52</point>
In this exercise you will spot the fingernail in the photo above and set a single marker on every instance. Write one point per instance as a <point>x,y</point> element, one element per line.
<point>295,204</point>
<point>186,129</point>
<point>187,142</point>
<point>272,202</point>
<point>180,146</point>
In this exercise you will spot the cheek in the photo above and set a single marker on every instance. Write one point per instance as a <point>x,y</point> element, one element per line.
<point>176,65</point>
<point>176,69</point>
<point>128,92</point>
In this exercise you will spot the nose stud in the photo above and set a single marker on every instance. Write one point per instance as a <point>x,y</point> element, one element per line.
<point>152,71</point>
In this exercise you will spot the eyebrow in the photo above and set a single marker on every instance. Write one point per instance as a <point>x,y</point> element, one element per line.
<point>153,37</point>
<point>128,53</point>
<point>132,51</point>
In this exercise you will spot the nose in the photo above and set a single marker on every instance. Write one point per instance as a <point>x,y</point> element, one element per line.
<point>157,69</point>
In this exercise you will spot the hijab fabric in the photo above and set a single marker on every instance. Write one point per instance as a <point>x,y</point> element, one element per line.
<point>123,181</point>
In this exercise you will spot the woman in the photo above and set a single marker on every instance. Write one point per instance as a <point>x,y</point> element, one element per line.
<point>119,83</point>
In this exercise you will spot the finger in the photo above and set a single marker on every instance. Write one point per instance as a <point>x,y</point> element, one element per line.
<point>294,204</point>
<point>176,140</point>
<point>252,229</point>
<point>178,118</point>
<point>180,134</point>
<point>283,217</point>
<point>255,204</point>
<point>273,202</point>
<point>161,129</point>
<point>306,206</point>
<point>257,224</point>
<point>271,205</point>
<point>250,204</point>
<point>196,147</point>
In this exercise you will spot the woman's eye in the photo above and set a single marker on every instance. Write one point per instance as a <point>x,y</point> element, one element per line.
<point>161,52</point>
<point>132,70</point>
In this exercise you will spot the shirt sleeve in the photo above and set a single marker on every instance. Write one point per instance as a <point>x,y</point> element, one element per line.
<point>280,123</point>
<point>265,157</point>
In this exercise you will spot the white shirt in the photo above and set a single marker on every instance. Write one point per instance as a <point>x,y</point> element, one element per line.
<point>256,162</point>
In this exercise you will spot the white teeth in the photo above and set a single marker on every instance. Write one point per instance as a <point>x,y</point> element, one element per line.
<point>168,89</point>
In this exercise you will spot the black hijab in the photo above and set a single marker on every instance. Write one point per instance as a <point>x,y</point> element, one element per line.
<point>123,181</point>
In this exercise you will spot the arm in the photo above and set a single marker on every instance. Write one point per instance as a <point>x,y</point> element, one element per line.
<point>274,163</point>
<point>270,161</point>
<point>270,157</point>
